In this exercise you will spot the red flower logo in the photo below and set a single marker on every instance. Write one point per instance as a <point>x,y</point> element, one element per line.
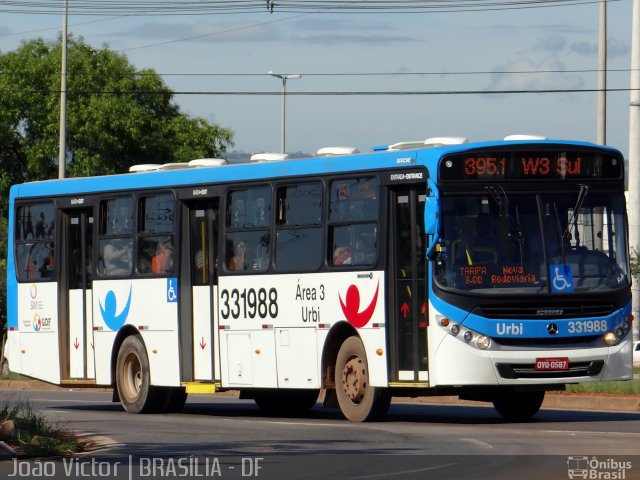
<point>351,307</point>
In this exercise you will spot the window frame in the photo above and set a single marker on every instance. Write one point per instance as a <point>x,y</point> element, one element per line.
<point>49,241</point>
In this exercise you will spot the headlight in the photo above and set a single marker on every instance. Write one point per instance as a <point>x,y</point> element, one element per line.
<point>617,335</point>
<point>483,342</point>
<point>610,339</point>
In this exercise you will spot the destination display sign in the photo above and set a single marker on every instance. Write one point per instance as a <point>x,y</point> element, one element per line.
<point>531,164</point>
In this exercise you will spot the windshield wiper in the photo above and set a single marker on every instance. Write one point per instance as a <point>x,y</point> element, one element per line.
<point>584,191</point>
<point>514,228</point>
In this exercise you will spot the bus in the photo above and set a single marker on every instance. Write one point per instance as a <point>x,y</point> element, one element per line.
<point>492,271</point>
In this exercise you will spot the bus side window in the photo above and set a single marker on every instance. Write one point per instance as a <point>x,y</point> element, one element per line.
<point>247,244</point>
<point>115,229</point>
<point>35,231</point>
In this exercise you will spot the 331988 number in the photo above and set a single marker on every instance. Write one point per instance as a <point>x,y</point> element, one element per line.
<point>587,326</point>
<point>249,303</point>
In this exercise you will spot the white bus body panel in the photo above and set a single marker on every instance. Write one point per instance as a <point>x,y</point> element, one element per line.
<point>307,305</point>
<point>295,370</point>
<point>80,335</point>
<point>38,346</point>
<point>202,333</point>
<point>151,307</point>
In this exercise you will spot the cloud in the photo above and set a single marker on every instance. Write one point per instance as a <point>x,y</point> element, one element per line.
<point>586,49</point>
<point>557,28</point>
<point>552,44</point>
<point>550,76</point>
<point>204,32</point>
<point>342,38</point>
<point>314,32</point>
<point>615,48</point>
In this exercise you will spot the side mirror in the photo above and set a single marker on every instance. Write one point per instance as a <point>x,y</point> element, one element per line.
<point>432,217</point>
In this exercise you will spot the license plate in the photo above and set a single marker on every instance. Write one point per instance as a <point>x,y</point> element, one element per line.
<point>560,363</point>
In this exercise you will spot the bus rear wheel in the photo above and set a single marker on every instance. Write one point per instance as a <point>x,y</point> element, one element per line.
<point>515,406</point>
<point>358,400</point>
<point>132,377</point>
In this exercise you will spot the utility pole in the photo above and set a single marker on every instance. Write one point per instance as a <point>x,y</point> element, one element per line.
<point>634,151</point>
<point>601,133</point>
<point>62,146</point>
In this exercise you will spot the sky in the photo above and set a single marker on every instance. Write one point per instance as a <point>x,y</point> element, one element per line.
<point>435,52</point>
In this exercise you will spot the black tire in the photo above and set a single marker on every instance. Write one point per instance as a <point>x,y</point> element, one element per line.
<point>4,369</point>
<point>358,400</point>
<point>132,378</point>
<point>517,406</point>
<point>175,399</point>
<point>286,401</point>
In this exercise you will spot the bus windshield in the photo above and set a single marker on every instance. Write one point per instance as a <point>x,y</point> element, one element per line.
<point>526,243</point>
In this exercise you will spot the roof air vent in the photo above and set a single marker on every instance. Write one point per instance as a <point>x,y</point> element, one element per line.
<point>207,162</point>
<point>269,157</point>
<point>336,151</point>
<point>444,141</point>
<point>513,138</point>
<point>145,167</point>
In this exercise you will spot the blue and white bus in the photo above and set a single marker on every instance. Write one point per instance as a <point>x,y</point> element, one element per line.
<point>493,271</point>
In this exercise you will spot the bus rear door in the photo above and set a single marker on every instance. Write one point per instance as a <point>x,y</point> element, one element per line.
<point>198,325</point>
<point>76,266</point>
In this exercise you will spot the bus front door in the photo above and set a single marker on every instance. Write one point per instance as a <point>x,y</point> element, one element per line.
<point>408,305</point>
<point>76,265</point>
<point>199,336</point>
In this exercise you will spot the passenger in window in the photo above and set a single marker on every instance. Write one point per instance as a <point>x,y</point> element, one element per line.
<point>162,262</point>
<point>117,258</point>
<point>47,267</point>
<point>260,219</point>
<point>40,226</point>
<point>239,260</point>
<point>122,221</point>
<point>342,256</point>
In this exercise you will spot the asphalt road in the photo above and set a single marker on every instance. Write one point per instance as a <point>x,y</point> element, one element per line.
<point>223,437</point>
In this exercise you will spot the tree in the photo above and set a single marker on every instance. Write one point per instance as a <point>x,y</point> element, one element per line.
<point>117,116</point>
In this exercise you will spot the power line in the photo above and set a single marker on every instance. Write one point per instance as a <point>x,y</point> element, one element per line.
<point>323,93</point>
<point>349,74</point>
<point>191,7</point>
<point>13,34</point>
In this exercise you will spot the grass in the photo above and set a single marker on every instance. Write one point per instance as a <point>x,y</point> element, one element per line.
<point>35,436</point>
<point>629,387</point>
<point>11,376</point>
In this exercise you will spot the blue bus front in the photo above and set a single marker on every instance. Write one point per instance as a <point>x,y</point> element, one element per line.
<point>530,267</point>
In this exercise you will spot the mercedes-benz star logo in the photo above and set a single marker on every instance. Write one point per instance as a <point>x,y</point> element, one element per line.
<point>552,329</point>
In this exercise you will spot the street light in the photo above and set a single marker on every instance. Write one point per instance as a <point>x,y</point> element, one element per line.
<point>284,78</point>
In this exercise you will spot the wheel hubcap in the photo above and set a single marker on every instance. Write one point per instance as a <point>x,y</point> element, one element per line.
<point>354,379</point>
<point>133,376</point>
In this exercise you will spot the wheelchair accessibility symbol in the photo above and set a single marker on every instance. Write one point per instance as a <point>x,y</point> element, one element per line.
<point>561,279</point>
<point>172,290</point>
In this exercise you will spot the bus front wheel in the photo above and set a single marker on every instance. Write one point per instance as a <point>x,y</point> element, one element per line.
<point>132,376</point>
<point>515,406</point>
<point>358,400</point>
